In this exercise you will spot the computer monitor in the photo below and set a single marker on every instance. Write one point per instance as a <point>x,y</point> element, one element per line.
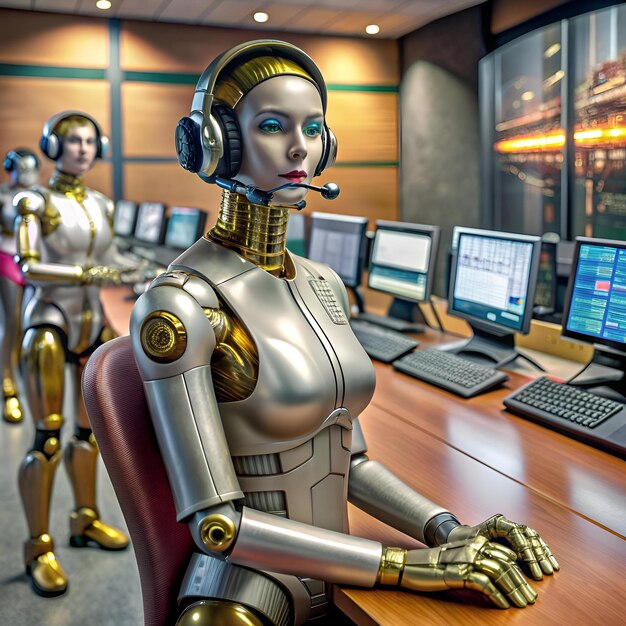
<point>595,312</point>
<point>184,227</point>
<point>150,226</point>
<point>124,218</point>
<point>296,234</point>
<point>402,264</point>
<point>545,293</point>
<point>339,241</point>
<point>492,287</point>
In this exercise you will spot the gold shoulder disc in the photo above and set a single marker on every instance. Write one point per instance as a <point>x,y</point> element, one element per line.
<point>163,337</point>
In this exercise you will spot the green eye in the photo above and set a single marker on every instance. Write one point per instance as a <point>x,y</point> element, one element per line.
<point>313,129</point>
<point>270,126</point>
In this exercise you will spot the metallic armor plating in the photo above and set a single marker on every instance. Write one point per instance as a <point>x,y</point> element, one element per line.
<point>66,253</point>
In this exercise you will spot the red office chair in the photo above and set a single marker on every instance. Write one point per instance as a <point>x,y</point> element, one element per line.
<point>118,412</point>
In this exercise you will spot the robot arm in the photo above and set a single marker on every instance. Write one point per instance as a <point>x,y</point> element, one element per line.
<point>33,219</point>
<point>172,341</point>
<point>376,490</point>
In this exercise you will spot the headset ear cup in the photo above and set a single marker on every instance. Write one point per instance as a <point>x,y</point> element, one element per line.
<point>189,145</point>
<point>230,162</point>
<point>50,146</point>
<point>103,147</point>
<point>329,151</point>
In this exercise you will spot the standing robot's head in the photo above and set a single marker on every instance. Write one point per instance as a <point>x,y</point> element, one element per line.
<point>55,130</point>
<point>208,140</point>
<point>23,166</point>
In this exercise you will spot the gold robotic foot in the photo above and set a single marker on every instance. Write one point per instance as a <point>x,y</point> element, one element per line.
<point>46,574</point>
<point>87,529</point>
<point>11,411</point>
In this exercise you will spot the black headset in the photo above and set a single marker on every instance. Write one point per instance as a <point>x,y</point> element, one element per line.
<point>208,140</point>
<point>13,157</point>
<point>51,144</point>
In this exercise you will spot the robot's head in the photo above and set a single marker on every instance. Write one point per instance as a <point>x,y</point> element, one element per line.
<point>23,166</point>
<point>210,141</point>
<point>57,127</point>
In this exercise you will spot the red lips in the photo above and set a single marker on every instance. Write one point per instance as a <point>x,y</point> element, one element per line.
<point>295,176</point>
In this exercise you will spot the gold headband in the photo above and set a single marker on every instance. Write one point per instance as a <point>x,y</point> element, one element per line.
<point>233,86</point>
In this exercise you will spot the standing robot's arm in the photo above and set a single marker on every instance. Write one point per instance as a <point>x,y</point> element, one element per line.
<point>32,222</point>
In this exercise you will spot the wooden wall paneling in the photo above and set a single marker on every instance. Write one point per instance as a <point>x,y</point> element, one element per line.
<point>30,38</point>
<point>150,113</point>
<point>368,191</point>
<point>27,103</point>
<point>365,124</point>
<point>171,184</point>
<point>146,46</point>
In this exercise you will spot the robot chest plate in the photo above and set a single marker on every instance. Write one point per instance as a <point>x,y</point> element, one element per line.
<point>310,363</point>
<point>76,230</point>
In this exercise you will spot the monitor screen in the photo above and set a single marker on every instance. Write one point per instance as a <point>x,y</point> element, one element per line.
<point>595,305</point>
<point>296,234</point>
<point>184,227</point>
<point>150,225</point>
<point>402,261</point>
<point>125,218</point>
<point>339,241</point>
<point>493,278</point>
<point>545,292</point>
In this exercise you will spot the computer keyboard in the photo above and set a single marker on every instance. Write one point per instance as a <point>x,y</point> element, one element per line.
<point>380,343</point>
<point>573,411</point>
<point>450,371</point>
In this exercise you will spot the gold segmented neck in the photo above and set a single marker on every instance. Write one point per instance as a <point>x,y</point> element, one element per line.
<point>255,231</point>
<point>68,184</point>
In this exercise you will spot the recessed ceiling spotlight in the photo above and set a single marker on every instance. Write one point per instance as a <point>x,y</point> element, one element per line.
<point>261,17</point>
<point>372,29</point>
<point>103,4</point>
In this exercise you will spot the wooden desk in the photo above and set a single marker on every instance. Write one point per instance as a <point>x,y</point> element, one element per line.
<point>476,459</point>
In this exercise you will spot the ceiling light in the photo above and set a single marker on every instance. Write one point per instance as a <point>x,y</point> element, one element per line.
<point>372,29</point>
<point>103,4</point>
<point>261,17</point>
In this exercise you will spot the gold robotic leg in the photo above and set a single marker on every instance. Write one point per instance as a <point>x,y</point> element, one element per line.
<point>12,410</point>
<point>218,613</point>
<point>81,458</point>
<point>43,361</point>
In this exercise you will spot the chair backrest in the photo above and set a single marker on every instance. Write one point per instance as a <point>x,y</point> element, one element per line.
<point>119,416</point>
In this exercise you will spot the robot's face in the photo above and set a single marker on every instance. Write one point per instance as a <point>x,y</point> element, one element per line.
<point>79,150</point>
<point>26,172</point>
<point>281,123</point>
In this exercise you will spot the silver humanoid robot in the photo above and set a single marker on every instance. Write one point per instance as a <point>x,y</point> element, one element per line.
<point>255,382</point>
<point>66,252</point>
<point>22,166</point>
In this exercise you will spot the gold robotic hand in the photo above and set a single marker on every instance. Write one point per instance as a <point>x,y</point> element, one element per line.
<point>101,274</point>
<point>529,546</point>
<point>475,563</point>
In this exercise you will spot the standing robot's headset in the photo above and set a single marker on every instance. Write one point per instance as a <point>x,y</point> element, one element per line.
<point>208,140</point>
<point>51,144</point>
<point>13,157</point>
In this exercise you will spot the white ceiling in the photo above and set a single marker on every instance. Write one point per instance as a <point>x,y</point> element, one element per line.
<point>322,17</point>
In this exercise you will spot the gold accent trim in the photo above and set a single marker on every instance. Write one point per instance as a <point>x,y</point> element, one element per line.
<point>51,446</point>
<point>392,564</point>
<point>235,361</point>
<point>54,421</point>
<point>217,532</point>
<point>163,337</point>
<point>254,231</point>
